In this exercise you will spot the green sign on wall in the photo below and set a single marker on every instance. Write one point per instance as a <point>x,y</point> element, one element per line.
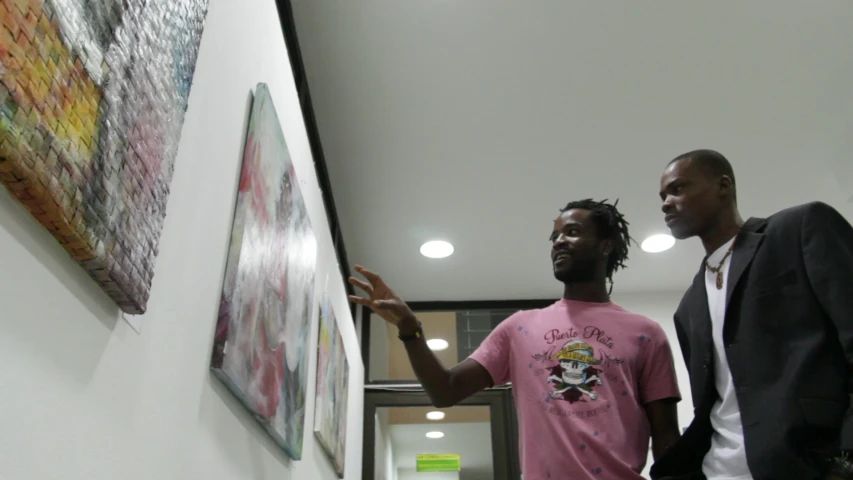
<point>439,462</point>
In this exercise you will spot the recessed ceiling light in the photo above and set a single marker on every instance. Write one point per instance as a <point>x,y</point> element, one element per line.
<point>658,243</point>
<point>436,249</point>
<point>435,434</point>
<point>435,415</point>
<point>437,344</point>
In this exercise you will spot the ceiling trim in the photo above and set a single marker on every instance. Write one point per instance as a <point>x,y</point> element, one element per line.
<point>288,27</point>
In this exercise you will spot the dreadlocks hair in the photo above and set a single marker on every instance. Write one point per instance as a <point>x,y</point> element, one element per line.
<point>610,224</point>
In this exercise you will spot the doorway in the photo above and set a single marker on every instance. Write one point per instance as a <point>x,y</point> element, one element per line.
<point>400,425</point>
<point>396,404</point>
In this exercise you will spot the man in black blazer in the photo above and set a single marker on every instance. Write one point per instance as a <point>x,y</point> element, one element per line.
<point>766,331</point>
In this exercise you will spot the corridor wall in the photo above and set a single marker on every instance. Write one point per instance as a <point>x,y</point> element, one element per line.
<point>84,395</point>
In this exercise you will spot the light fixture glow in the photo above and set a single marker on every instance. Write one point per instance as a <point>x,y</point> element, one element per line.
<point>436,415</point>
<point>658,243</point>
<point>435,435</point>
<point>437,344</point>
<point>437,249</point>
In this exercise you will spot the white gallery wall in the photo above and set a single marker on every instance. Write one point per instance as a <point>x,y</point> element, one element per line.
<point>84,396</point>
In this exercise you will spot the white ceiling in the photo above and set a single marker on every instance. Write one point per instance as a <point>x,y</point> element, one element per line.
<point>475,121</point>
<point>471,440</point>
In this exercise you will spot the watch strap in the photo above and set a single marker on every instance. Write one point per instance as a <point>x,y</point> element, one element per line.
<point>412,336</point>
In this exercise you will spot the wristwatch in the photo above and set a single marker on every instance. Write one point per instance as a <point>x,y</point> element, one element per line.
<point>412,336</point>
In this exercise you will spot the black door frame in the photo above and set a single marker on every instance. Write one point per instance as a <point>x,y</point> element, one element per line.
<point>499,401</point>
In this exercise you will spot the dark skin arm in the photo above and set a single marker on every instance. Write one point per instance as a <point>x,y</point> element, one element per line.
<point>663,420</point>
<point>444,387</point>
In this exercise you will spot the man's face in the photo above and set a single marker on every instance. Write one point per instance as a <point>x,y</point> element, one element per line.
<point>576,250</point>
<point>691,199</point>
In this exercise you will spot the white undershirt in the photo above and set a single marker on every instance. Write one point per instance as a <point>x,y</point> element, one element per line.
<point>727,458</point>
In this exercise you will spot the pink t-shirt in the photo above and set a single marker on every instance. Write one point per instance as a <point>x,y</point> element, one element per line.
<point>581,373</point>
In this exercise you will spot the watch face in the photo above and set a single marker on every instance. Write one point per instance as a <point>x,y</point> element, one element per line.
<point>411,336</point>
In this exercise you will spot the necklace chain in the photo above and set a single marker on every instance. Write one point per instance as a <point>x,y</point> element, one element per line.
<point>719,268</point>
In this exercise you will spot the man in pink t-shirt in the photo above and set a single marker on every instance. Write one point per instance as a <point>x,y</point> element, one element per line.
<point>581,373</point>
<point>592,382</point>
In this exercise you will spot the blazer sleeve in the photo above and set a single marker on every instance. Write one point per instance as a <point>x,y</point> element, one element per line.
<point>827,240</point>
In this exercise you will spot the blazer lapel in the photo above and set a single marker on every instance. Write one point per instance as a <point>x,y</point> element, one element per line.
<point>700,320</point>
<point>746,245</point>
<point>699,304</point>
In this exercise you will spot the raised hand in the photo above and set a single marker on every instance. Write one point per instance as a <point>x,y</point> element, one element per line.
<point>380,298</point>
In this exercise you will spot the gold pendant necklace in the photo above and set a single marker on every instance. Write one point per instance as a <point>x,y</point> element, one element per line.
<point>719,268</point>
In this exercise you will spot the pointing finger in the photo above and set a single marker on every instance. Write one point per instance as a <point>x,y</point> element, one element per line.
<point>360,284</point>
<point>373,277</point>
<point>359,300</point>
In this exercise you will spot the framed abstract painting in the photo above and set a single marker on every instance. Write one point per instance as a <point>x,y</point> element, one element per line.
<point>261,345</point>
<point>92,101</point>
<point>330,407</point>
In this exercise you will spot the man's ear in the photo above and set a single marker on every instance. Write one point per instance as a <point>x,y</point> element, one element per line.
<point>726,186</point>
<point>606,247</point>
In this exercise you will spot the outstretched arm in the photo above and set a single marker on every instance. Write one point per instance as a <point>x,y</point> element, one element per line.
<point>444,387</point>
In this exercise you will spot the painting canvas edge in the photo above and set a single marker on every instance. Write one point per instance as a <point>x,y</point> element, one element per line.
<point>329,449</point>
<point>235,390</point>
<point>32,149</point>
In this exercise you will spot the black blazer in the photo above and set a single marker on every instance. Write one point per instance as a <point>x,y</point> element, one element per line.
<point>788,334</point>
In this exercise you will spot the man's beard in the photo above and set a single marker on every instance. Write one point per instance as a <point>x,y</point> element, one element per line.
<point>681,231</point>
<point>581,270</point>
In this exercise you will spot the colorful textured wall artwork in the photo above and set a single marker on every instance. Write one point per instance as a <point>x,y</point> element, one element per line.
<point>92,99</point>
<point>261,346</point>
<point>330,410</point>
